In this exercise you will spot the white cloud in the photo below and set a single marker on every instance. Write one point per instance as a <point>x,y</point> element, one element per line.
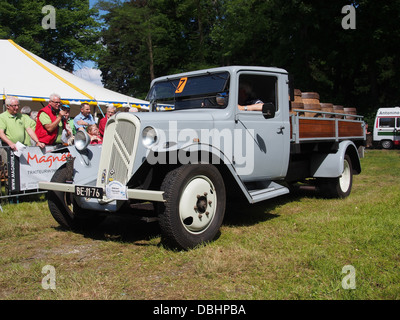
<point>89,74</point>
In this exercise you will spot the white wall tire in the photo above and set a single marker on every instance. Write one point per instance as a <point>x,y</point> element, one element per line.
<point>341,186</point>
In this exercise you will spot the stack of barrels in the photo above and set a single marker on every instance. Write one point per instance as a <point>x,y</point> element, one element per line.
<point>298,102</point>
<point>310,102</point>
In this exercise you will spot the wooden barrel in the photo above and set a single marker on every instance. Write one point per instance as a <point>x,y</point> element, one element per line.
<point>297,96</point>
<point>327,107</point>
<point>338,109</point>
<point>297,103</point>
<point>298,106</point>
<point>311,102</point>
<point>350,111</point>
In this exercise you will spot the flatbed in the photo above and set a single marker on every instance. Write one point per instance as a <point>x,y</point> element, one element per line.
<point>327,126</point>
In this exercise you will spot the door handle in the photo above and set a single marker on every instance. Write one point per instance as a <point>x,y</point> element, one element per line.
<point>281,130</point>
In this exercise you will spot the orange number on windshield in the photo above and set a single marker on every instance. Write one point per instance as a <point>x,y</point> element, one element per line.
<point>181,85</point>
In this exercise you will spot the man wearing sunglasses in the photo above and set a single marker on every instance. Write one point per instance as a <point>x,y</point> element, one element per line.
<point>51,121</point>
<point>14,127</point>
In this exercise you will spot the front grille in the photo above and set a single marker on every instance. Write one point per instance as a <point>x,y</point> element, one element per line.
<point>118,151</point>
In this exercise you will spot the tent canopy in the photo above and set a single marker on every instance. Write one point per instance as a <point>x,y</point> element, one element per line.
<point>33,79</point>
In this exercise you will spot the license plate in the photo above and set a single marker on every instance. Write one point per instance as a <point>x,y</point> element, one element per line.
<point>89,192</point>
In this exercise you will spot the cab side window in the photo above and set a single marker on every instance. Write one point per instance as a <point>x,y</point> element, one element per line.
<point>255,90</point>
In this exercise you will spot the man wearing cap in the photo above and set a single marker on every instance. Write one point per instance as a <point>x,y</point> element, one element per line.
<point>13,126</point>
<point>68,133</point>
<point>51,122</point>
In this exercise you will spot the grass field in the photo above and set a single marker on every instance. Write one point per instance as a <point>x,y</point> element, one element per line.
<point>294,247</point>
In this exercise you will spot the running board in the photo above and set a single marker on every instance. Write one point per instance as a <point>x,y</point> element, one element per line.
<point>271,190</point>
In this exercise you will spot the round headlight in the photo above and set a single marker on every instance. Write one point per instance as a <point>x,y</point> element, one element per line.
<point>149,136</point>
<point>81,140</point>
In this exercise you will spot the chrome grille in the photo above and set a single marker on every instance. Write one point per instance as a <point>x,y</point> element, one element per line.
<point>118,151</point>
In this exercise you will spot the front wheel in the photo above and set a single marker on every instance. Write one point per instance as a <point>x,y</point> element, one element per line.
<point>387,144</point>
<point>64,209</point>
<point>339,187</point>
<point>195,205</point>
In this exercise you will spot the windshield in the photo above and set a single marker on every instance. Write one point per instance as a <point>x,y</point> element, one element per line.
<point>205,91</point>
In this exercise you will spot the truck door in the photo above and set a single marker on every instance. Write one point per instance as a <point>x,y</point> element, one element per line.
<point>263,152</point>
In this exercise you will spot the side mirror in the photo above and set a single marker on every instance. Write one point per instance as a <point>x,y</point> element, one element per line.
<point>268,110</point>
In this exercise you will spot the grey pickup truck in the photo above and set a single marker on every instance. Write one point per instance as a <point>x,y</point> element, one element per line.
<point>212,137</point>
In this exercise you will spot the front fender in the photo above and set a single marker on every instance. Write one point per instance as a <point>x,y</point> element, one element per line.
<point>331,165</point>
<point>86,163</point>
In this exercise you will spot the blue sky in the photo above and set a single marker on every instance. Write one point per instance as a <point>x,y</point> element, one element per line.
<point>88,64</point>
<point>86,70</point>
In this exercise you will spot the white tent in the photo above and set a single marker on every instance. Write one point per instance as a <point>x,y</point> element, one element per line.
<point>33,79</point>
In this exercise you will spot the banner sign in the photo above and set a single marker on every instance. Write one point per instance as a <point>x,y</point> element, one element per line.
<point>36,164</point>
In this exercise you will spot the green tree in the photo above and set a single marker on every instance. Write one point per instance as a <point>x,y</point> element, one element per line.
<point>148,38</point>
<point>74,38</point>
<point>143,39</point>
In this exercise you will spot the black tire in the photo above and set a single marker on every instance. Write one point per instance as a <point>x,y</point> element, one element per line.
<point>339,187</point>
<point>195,206</point>
<point>387,144</point>
<point>64,209</point>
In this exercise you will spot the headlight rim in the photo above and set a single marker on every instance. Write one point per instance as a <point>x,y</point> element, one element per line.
<point>145,136</point>
<point>82,143</point>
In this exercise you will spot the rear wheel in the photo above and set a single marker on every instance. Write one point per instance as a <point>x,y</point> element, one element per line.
<point>339,187</point>
<point>195,205</point>
<point>64,209</point>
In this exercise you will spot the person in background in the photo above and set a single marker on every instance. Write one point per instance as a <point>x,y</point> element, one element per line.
<point>102,123</point>
<point>72,126</point>
<point>94,134</point>
<point>84,118</point>
<point>67,134</point>
<point>26,112</point>
<point>51,121</point>
<point>33,116</point>
<point>14,126</point>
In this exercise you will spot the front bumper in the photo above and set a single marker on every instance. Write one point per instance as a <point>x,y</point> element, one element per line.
<point>137,194</point>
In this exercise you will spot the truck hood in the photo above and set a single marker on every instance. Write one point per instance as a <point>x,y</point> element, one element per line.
<point>183,116</point>
<point>176,129</point>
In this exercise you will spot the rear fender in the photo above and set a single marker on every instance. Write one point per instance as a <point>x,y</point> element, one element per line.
<point>331,165</point>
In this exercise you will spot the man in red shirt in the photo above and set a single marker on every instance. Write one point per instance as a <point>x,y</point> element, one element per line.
<point>102,124</point>
<point>50,121</point>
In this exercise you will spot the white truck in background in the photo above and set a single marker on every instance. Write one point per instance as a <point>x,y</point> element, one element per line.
<point>387,128</point>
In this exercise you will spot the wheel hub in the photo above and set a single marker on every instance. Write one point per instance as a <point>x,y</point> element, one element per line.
<point>197,204</point>
<point>201,204</point>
